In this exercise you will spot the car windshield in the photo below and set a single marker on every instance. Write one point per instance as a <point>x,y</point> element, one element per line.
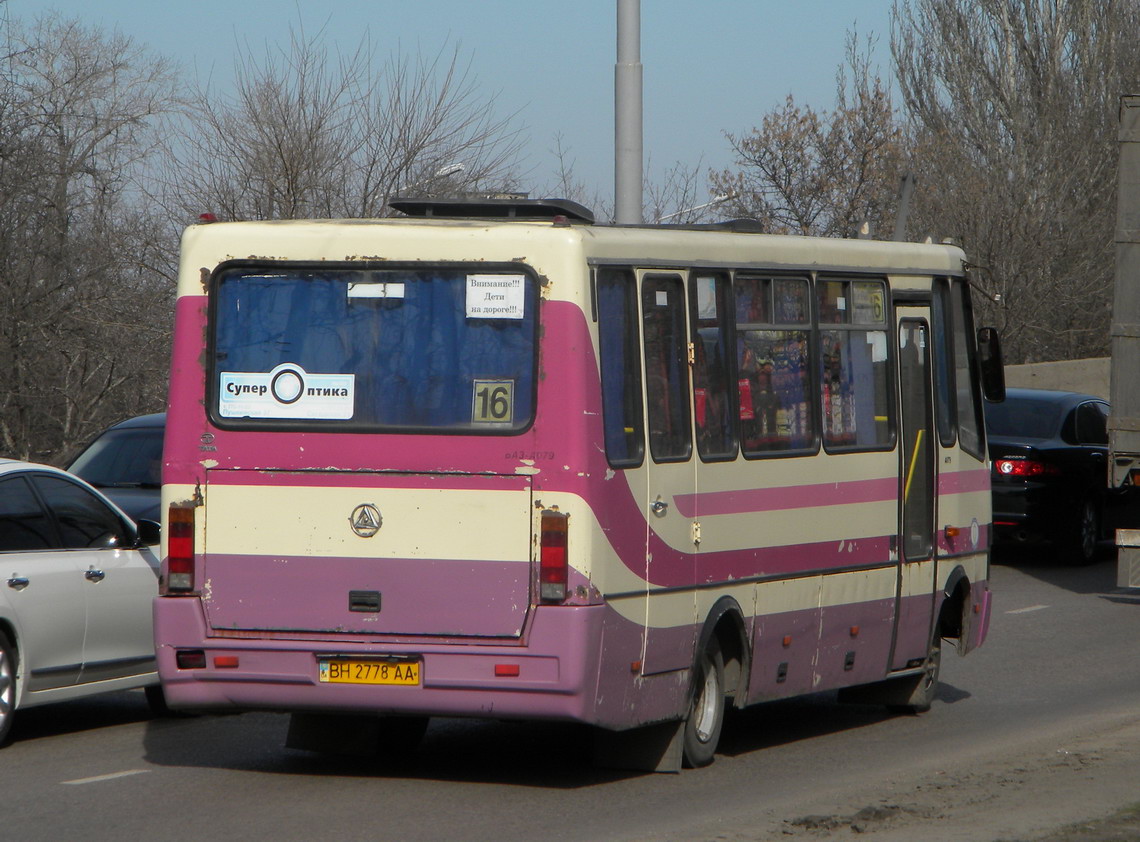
<point>127,458</point>
<point>1019,417</point>
<point>435,348</point>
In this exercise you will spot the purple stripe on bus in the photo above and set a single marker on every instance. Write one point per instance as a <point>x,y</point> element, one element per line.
<point>780,498</point>
<point>791,559</point>
<point>787,497</point>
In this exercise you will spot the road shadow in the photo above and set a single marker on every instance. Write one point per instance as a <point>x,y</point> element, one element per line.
<point>526,754</point>
<point>545,755</point>
<point>789,721</point>
<point>1123,597</point>
<point>1049,566</point>
<point>80,715</point>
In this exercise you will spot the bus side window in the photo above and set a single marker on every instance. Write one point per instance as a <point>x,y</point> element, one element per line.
<point>858,410</point>
<point>666,368</point>
<point>773,322</point>
<point>619,348</point>
<point>713,409</point>
<point>943,338</point>
<point>970,423</point>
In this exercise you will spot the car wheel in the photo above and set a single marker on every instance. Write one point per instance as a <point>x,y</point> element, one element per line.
<point>7,687</point>
<point>706,711</point>
<point>1086,533</point>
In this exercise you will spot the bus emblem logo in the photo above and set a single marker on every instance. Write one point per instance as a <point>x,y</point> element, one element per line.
<point>365,520</point>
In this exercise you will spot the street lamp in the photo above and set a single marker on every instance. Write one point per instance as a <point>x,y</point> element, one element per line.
<point>716,200</point>
<point>446,171</point>
<point>450,169</point>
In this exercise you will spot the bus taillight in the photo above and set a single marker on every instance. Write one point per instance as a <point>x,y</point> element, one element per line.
<point>180,549</point>
<point>553,564</point>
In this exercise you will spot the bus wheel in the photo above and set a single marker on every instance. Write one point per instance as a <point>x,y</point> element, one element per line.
<point>706,710</point>
<point>925,685</point>
<point>7,687</point>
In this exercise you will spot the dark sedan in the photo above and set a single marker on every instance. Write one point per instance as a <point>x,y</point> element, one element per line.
<point>125,463</point>
<point>1049,451</point>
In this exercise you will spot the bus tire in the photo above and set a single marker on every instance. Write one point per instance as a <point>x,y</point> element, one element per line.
<point>924,686</point>
<point>706,709</point>
<point>7,687</point>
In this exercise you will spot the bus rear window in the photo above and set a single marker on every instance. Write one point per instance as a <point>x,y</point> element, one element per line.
<point>432,349</point>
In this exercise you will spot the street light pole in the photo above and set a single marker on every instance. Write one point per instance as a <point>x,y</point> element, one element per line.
<point>627,115</point>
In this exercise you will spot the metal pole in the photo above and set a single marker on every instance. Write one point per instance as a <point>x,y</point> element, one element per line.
<point>906,190</point>
<point>1124,420</point>
<point>627,115</point>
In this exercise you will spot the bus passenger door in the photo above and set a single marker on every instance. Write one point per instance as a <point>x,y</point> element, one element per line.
<point>669,559</point>
<point>917,483</point>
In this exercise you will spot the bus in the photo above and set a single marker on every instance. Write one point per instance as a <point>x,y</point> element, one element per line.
<point>493,459</point>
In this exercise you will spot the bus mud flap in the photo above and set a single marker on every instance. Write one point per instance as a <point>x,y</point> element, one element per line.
<point>650,748</point>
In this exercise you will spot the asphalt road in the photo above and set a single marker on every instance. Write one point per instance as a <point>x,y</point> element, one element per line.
<point>1062,664</point>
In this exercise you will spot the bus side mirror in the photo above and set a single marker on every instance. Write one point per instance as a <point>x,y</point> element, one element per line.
<point>993,369</point>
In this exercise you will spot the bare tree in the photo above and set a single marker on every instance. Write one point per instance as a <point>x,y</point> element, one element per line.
<point>679,197</point>
<point>310,134</point>
<point>676,198</point>
<point>83,326</point>
<point>822,173</point>
<point>1014,106</point>
<point>566,184</point>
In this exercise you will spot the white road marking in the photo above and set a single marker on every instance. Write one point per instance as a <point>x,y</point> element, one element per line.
<point>110,777</point>
<point>1027,610</point>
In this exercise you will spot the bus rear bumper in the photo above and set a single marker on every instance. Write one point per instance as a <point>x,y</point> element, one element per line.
<point>553,676</point>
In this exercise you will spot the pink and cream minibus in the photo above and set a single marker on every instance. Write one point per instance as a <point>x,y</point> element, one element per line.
<point>492,459</point>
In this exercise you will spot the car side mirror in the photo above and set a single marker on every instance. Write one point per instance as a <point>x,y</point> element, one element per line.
<point>150,532</point>
<point>990,360</point>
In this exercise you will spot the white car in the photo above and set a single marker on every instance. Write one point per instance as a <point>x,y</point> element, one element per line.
<point>78,580</point>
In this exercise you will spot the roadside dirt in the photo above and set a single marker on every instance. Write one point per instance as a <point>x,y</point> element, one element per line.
<point>1078,787</point>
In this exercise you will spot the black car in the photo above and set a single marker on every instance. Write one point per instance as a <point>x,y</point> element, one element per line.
<point>125,463</point>
<point>1049,453</point>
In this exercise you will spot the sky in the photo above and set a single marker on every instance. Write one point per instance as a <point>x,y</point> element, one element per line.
<point>709,66</point>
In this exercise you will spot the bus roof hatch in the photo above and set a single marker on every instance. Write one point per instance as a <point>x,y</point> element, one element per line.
<point>494,208</point>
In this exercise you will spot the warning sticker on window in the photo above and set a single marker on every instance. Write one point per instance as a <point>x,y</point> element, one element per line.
<point>495,297</point>
<point>288,391</point>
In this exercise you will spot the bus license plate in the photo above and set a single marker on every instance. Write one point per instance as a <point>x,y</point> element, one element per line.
<point>370,672</point>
